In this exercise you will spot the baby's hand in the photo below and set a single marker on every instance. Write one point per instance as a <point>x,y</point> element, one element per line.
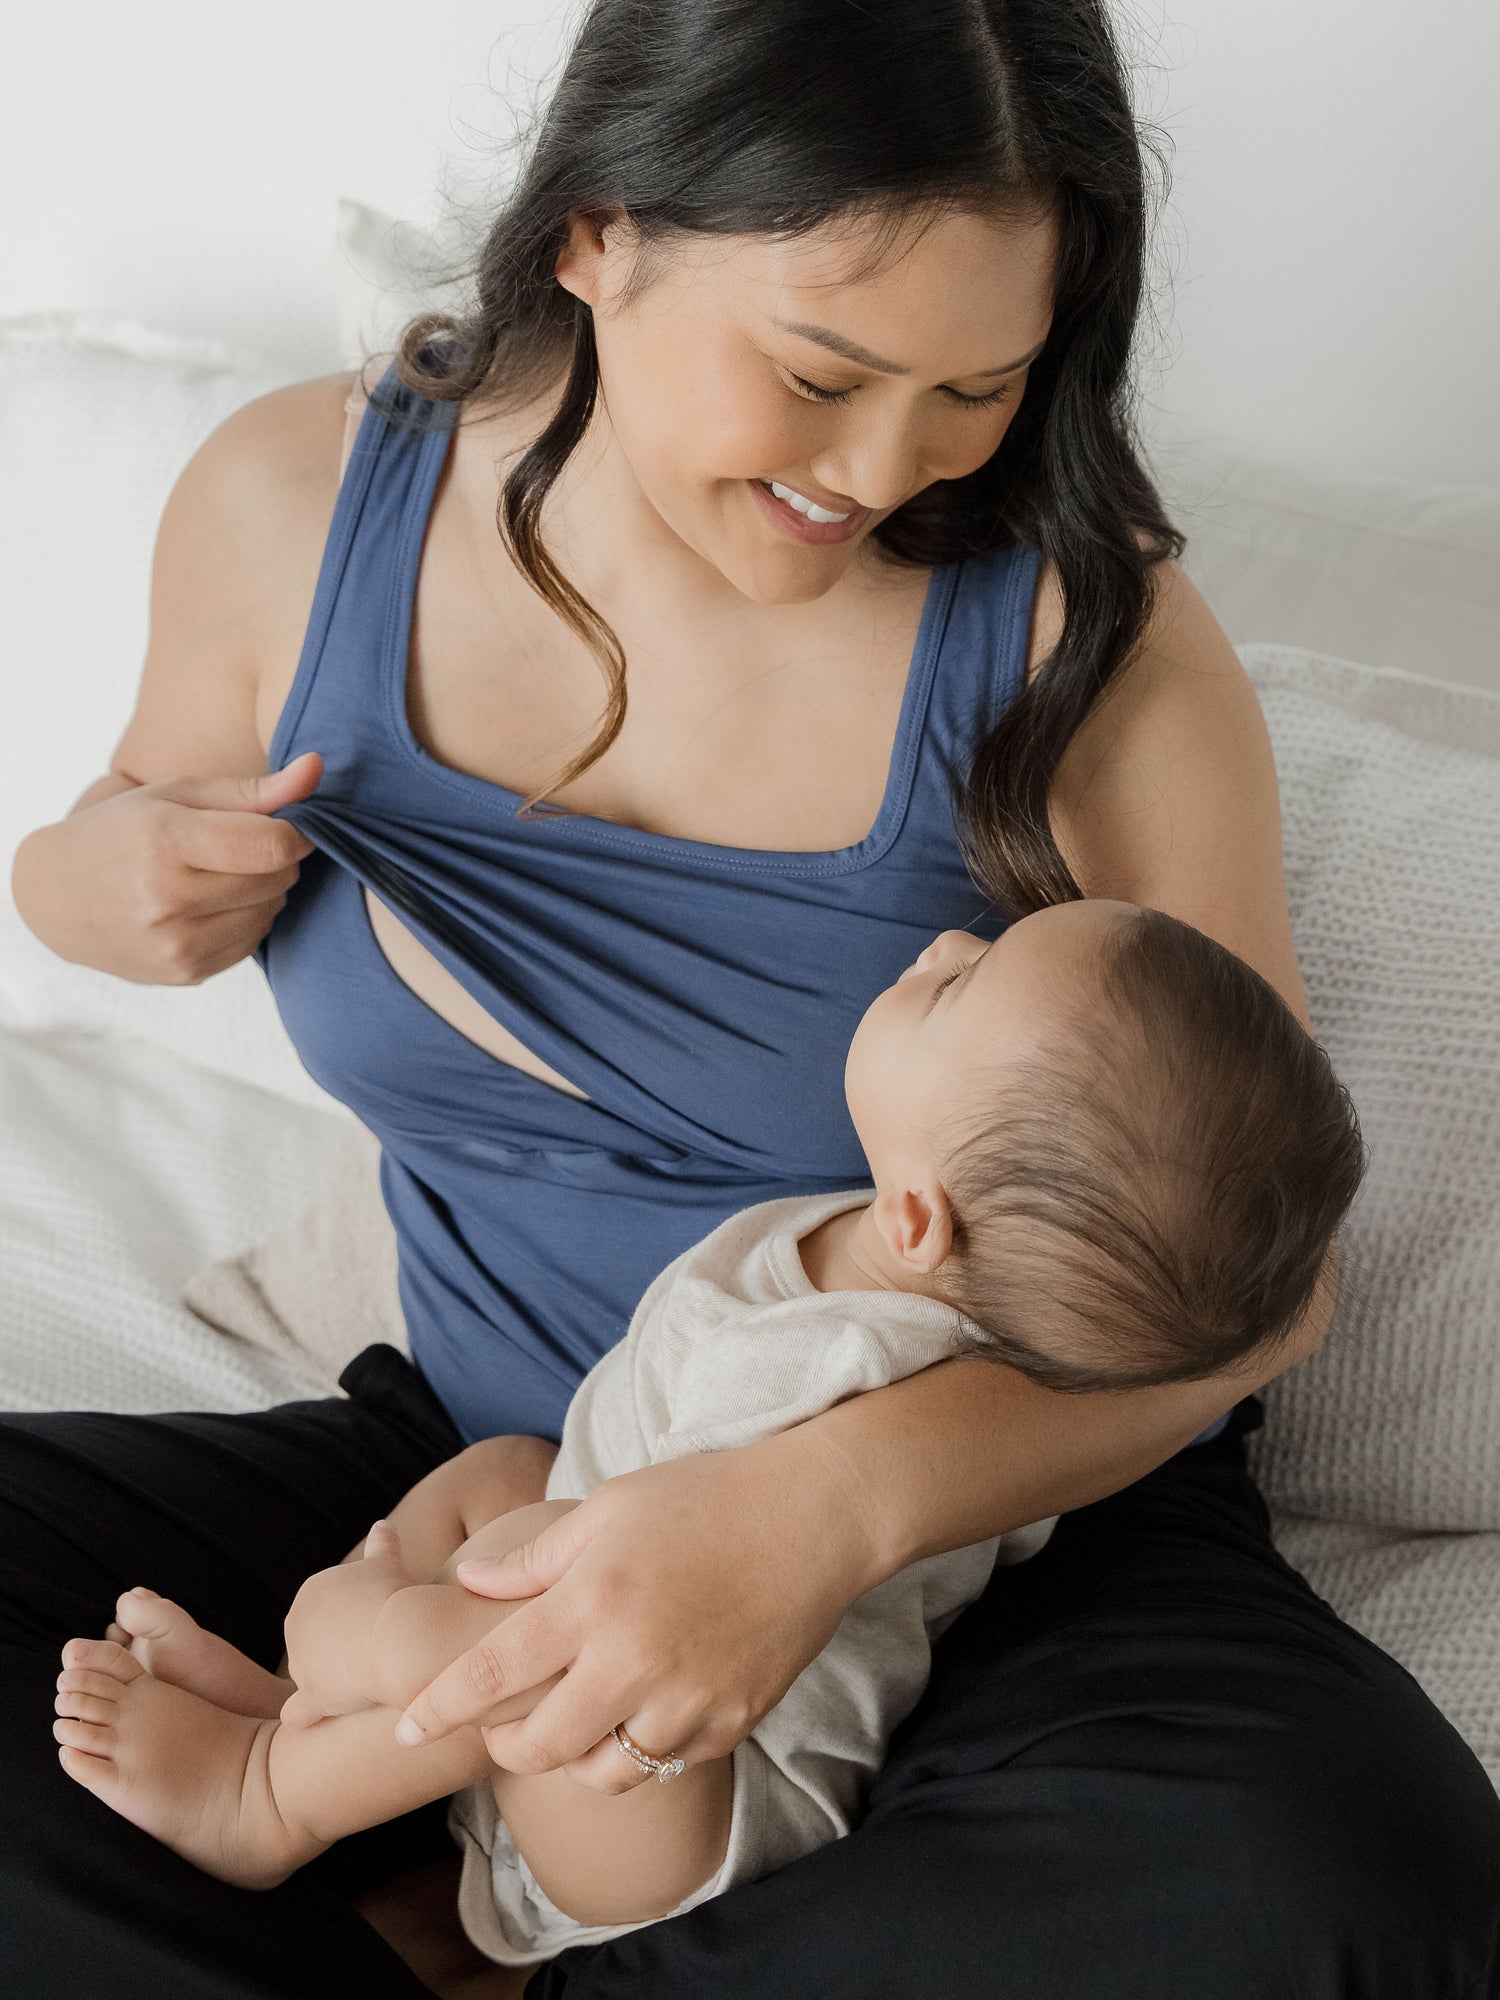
<point>329,1628</point>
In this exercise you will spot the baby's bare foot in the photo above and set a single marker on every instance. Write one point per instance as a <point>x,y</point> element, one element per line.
<point>193,1775</point>
<point>172,1646</point>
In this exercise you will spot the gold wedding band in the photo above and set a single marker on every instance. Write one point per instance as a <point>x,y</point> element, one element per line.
<point>665,1768</point>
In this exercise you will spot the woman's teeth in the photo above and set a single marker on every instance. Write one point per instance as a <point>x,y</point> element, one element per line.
<point>807,507</point>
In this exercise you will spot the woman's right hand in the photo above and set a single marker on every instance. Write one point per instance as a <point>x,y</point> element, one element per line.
<point>166,884</point>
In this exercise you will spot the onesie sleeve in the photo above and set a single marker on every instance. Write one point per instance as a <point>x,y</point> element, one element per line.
<point>777,1365</point>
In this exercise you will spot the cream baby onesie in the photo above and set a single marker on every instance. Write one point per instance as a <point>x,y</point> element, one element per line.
<point>730,1344</point>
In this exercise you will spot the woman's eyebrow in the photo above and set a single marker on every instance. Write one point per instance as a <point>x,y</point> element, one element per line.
<point>863,358</point>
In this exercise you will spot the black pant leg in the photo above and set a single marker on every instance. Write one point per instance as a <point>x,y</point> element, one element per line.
<point>227,1514</point>
<point>1151,1764</point>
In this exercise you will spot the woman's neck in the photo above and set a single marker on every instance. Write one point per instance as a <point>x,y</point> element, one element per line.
<point>597,523</point>
<point>609,539</point>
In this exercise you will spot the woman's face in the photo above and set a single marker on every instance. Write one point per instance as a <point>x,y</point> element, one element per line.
<point>711,379</point>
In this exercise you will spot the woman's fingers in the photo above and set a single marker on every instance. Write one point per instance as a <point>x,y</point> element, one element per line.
<point>531,1646</point>
<point>573,1727</point>
<point>516,1706</point>
<point>578,1714</point>
<point>536,1565</point>
<point>607,1769</point>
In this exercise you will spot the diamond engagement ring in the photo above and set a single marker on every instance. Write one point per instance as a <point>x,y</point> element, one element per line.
<point>666,1768</point>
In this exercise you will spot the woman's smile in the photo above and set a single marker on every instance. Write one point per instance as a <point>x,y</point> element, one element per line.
<point>799,527</point>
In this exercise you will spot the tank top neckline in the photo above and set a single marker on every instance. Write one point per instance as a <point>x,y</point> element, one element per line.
<point>943,587</point>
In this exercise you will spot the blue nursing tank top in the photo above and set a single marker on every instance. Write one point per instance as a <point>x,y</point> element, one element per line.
<point>702,997</point>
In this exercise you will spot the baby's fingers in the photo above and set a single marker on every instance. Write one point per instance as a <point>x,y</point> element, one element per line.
<point>383,1545</point>
<point>301,1711</point>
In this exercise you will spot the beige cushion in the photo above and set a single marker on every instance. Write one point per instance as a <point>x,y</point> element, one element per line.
<point>1391,809</point>
<point>317,1291</point>
<point>1431,1601</point>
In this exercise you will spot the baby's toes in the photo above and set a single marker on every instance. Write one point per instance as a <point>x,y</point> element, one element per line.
<point>93,1739</point>
<point>102,1656</point>
<point>145,1615</point>
<point>87,1697</point>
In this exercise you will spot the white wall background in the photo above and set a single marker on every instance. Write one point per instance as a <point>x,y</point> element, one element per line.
<point>1332,250</point>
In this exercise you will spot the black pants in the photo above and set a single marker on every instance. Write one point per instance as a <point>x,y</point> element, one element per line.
<point>1151,1763</point>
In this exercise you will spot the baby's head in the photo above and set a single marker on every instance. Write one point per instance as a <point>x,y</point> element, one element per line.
<point>1106,1141</point>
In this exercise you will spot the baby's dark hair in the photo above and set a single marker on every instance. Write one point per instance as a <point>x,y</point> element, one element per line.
<point>1153,1197</point>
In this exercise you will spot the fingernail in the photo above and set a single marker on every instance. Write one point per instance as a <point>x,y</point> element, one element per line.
<point>407,1732</point>
<point>477,1566</point>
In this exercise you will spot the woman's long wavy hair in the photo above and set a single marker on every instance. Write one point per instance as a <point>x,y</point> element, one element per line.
<point>737,117</point>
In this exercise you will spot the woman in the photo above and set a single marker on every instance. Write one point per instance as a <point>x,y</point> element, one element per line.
<point>798,377</point>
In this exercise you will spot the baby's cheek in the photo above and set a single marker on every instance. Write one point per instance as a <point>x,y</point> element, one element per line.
<point>874,1076</point>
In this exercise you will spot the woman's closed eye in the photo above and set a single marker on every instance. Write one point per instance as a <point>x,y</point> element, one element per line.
<point>844,395</point>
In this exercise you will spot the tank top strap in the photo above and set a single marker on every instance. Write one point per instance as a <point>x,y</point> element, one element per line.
<point>982,666</point>
<point>353,658</point>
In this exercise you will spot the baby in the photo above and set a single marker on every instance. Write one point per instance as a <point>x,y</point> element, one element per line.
<point>1103,1152</point>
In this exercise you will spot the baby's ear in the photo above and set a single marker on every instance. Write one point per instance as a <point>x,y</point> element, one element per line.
<point>940,1228</point>
<point>917,1225</point>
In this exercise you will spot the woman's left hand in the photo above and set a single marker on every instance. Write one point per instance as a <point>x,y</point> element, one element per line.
<point>681,1600</point>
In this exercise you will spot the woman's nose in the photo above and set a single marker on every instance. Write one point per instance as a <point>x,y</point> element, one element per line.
<point>879,468</point>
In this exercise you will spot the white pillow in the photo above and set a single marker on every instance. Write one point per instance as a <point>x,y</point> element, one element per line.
<point>1390,790</point>
<point>121,1170</point>
<point>98,415</point>
<point>384,273</point>
<point>1399,573</point>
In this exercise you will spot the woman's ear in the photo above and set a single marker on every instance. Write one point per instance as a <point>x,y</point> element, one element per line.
<point>580,261</point>
<point>591,238</point>
<point>916,1226</point>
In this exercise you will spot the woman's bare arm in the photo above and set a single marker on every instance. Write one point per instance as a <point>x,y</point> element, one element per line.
<point>970,1449</point>
<point>168,868</point>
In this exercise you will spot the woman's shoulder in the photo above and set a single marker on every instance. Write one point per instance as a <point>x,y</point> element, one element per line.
<point>1046,616</point>
<point>1167,794</point>
<point>291,454</point>
<point>235,568</point>
<point>1178,615</point>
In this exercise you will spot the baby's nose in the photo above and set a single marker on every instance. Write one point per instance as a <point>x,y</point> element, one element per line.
<point>936,950</point>
<point>921,962</point>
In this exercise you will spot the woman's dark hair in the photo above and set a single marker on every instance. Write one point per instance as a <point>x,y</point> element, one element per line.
<point>759,116</point>
<point>1152,1197</point>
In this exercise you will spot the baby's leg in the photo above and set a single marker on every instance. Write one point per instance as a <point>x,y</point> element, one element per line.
<point>461,1496</point>
<point>248,1799</point>
<point>602,1860</point>
<point>626,1859</point>
<point>244,1798</point>
<point>489,1479</point>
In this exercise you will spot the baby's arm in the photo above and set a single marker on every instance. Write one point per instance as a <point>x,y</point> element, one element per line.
<point>330,1625</point>
<point>373,1633</point>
